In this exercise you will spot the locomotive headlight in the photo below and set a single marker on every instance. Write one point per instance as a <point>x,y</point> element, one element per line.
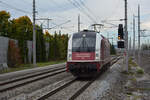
<point>70,56</point>
<point>97,56</point>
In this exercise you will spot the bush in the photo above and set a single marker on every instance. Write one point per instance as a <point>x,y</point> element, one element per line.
<point>14,57</point>
<point>140,71</point>
<point>112,50</point>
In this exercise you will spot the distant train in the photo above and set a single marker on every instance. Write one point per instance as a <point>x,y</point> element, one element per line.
<point>88,53</point>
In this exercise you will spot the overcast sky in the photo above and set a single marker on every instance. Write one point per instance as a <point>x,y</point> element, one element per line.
<point>60,11</point>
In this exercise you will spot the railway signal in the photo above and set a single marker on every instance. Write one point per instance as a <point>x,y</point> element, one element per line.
<point>120,32</point>
<point>120,42</point>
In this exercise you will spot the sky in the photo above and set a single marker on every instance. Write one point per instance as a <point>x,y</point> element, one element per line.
<point>91,11</point>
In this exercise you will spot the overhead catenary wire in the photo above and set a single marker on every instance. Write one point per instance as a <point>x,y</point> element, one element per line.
<point>56,15</point>
<point>62,7</point>
<point>57,4</point>
<point>114,11</point>
<point>88,9</point>
<point>77,5</point>
<point>29,3</point>
<point>17,9</point>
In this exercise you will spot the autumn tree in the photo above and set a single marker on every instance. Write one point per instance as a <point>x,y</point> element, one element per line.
<point>14,58</point>
<point>4,23</point>
<point>22,31</point>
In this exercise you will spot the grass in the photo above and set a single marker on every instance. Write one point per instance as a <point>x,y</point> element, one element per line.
<point>133,79</point>
<point>30,66</point>
<point>129,93</point>
<point>125,72</point>
<point>140,71</point>
<point>144,89</point>
<point>49,63</point>
<point>132,63</point>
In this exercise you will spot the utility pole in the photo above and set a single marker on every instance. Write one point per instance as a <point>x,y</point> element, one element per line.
<point>34,35</point>
<point>79,23</point>
<point>48,22</point>
<point>126,35</point>
<point>139,29</point>
<point>133,35</point>
<point>130,46</point>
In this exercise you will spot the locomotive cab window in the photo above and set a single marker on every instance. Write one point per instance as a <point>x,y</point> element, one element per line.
<point>84,42</point>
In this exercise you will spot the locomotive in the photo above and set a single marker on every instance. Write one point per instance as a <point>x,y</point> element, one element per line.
<point>88,53</point>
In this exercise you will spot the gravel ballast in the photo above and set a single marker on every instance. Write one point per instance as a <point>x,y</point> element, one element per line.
<point>102,87</point>
<point>29,88</point>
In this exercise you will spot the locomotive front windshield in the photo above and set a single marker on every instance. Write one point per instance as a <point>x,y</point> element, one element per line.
<point>84,42</point>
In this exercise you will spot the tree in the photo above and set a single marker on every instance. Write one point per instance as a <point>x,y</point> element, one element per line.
<point>22,27</point>
<point>58,45</point>
<point>14,58</point>
<point>145,47</point>
<point>4,23</point>
<point>112,50</point>
<point>22,31</point>
<point>40,45</point>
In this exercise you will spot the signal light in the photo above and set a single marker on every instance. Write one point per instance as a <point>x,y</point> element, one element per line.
<point>120,32</point>
<point>120,44</point>
<point>119,38</point>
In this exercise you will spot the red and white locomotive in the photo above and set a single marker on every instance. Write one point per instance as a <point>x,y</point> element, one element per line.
<point>88,53</point>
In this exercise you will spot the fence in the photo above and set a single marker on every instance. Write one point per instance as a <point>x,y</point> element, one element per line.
<point>4,42</point>
<point>3,52</point>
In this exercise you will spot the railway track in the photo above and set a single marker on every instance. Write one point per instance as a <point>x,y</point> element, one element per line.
<point>69,83</point>
<point>65,85</point>
<point>82,89</point>
<point>114,60</point>
<point>21,81</point>
<point>54,91</point>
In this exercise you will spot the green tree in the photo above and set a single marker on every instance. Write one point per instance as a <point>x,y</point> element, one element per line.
<point>112,50</point>
<point>145,47</point>
<point>58,45</point>
<point>40,45</point>
<point>4,23</point>
<point>22,31</point>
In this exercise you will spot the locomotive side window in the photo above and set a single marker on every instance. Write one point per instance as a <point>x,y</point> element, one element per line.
<point>83,42</point>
